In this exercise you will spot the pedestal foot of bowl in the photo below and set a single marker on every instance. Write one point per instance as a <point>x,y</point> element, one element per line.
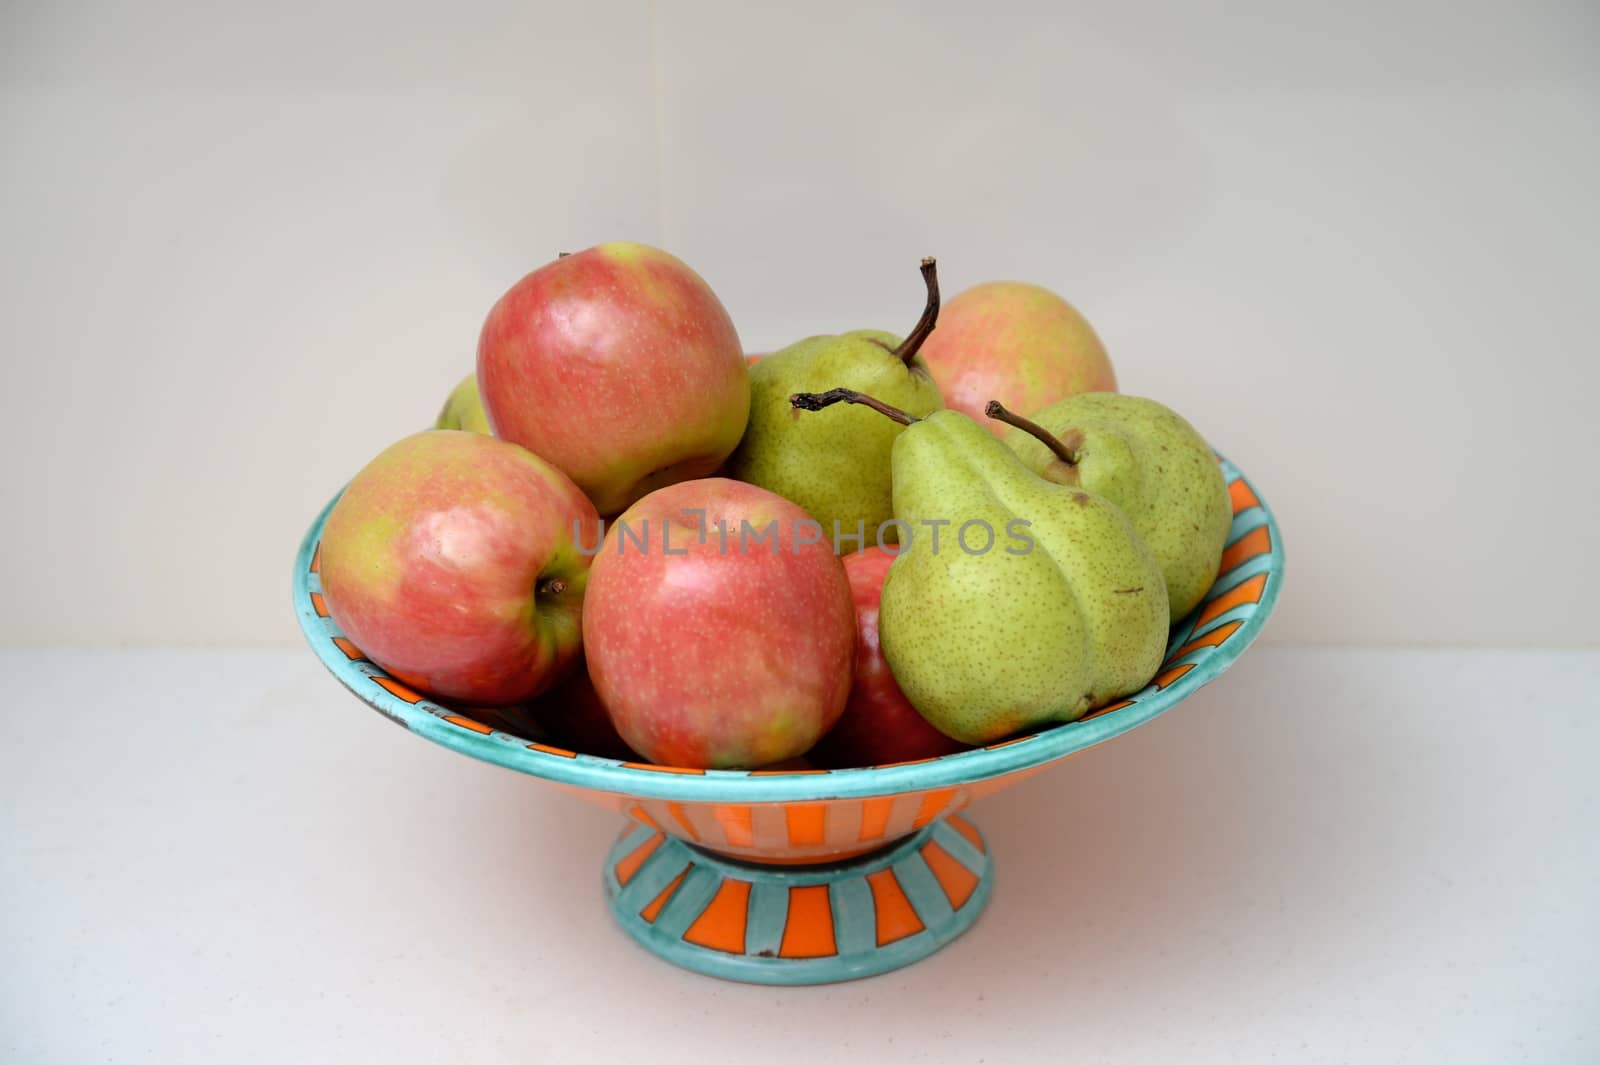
<point>799,924</point>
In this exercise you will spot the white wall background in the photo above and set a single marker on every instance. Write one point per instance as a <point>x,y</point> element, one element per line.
<point>246,246</point>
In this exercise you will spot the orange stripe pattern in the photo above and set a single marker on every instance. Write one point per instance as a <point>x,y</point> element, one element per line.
<point>956,879</point>
<point>1253,544</point>
<point>933,804</point>
<point>1214,638</point>
<point>874,818</point>
<point>721,924</point>
<point>794,832</point>
<point>896,918</point>
<point>963,826</point>
<point>652,910</point>
<point>916,890</point>
<point>1106,709</point>
<point>1166,677</point>
<point>1242,496</point>
<point>635,858</point>
<point>1247,592</point>
<point>351,651</point>
<point>398,690</point>
<point>808,929</point>
<point>682,818</point>
<point>805,824</point>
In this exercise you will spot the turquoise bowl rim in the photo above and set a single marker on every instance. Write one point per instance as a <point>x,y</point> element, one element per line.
<point>430,719</point>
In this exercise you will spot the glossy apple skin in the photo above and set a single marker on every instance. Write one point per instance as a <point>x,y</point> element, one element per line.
<point>879,725</point>
<point>619,366</point>
<point>718,659</point>
<point>450,561</point>
<point>1015,342</point>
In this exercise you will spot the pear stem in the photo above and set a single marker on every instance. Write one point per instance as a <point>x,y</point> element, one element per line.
<point>930,315</point>
<point>818,400</point>
<point>1061,451</point>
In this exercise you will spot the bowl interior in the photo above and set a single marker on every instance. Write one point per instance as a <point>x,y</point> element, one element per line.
<point>1199,648</point>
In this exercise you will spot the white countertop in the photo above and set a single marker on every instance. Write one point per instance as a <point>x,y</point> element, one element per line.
<point>1325,856</point>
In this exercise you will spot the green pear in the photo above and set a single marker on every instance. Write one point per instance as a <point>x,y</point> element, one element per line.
<point>464,409</point>
<point>1146,459</point>
<point>1014,601</point>
<point>836,464</point>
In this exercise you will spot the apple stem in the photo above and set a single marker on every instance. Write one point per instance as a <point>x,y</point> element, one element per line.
<point>550,586</point>
<point>930,315</point>
<point>1061,451</point>
<point>818,400</point>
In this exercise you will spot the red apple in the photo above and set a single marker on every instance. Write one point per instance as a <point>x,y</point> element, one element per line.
<point>619,366</point>
<point>568,715</point>
<point>711,648</point>
<point>879,725</point>
<point>1018,343</point>
<point>572,716</point>
<point>450,561</point>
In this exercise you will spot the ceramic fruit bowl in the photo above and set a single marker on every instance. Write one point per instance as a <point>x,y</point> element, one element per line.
<point>812,876</point>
